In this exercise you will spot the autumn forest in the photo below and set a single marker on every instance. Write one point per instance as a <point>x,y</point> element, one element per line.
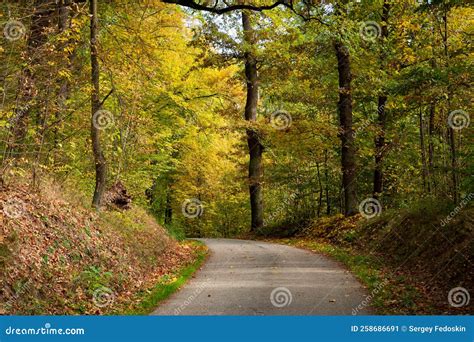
<point>342,127</point>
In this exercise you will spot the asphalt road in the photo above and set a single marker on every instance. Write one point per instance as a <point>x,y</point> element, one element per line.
<point>256,278</point>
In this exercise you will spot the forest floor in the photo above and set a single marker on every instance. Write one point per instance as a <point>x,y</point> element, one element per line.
<point>57,256</point>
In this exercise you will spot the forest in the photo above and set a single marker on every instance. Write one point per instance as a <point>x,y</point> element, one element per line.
<point>337,126</point>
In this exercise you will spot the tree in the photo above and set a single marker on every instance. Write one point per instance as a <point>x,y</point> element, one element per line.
<point>220,7</point>
<point>381,112</point>
<point>344,106</point>
<point>253,140</point>
<point>195,97</point>
<point>41,21</point>
<point>99,158</point>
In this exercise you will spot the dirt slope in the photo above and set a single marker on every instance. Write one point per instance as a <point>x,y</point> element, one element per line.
<point>58,257</point>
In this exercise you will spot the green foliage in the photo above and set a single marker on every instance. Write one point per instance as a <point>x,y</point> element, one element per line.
<point>176,91</point>
<point>93,278</point>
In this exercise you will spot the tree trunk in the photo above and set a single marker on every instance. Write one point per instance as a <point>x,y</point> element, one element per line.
<point>100,163</point>
<point>454,177</point>
<point>64,23</point>
<point>431,128</point>
<point>326,180</point>
<point>320,202</point>
<point>346,135</point>
<point>379,147</point>
<point>432,178</point>
<point>452,141</point>
<point>253,140</point>
<point>41,20</point>
<point>382,117</point>
<point>168,207</point>
<point>423,153</point>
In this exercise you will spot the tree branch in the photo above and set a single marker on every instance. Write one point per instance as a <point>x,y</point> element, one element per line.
<point>228,8</point>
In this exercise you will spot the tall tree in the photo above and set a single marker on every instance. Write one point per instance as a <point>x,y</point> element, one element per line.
<point>381,112</point>
<point>451,135</point>
<point>424,166</point>
<point>344,106</point>
<point>345,120</point>
<point>253,140</point>
<point>99,158</point>
<point>41,20</point>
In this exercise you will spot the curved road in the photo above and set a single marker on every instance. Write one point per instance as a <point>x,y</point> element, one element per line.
<point>257,278</point>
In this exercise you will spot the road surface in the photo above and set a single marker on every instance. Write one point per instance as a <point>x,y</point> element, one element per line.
<point>257,278</point>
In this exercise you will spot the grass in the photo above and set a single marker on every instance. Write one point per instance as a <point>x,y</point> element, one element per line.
<point>388,293</point>
<point>176,231</point>
<point>147,301</point>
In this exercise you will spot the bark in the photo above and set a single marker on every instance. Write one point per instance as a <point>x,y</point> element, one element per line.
<point>168,207</point>
<point>431,129</point>
<point>379,147</point>
<point>432,178</point>
<point>382,117</point>
<point>348,152</point>
<point>320,202</point>
<point>210,6</point>
<point>253,140</point>
<point>64,15</point>
<point>451,135</point>
<point>454,176</point>
<point>326,180</point>
<point>64,23</point>
<point>423,153</point>
<point>100,162</point>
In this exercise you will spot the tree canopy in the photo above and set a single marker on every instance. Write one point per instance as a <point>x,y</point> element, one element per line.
<point>225,116</point>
